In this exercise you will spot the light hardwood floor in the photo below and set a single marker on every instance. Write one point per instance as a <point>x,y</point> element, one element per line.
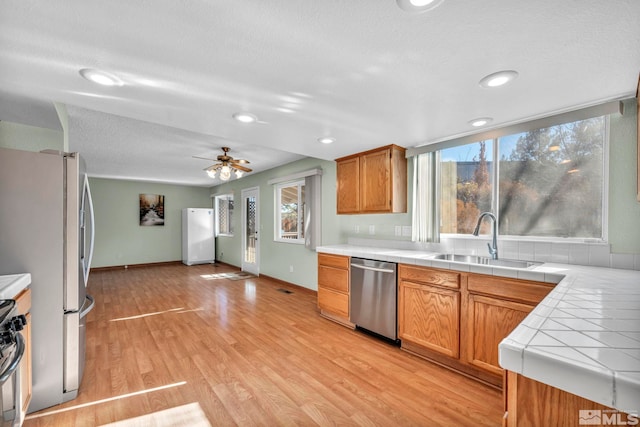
<point>248,354</point>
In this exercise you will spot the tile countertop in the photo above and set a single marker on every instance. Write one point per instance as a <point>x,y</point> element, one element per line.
<point>12,284</point>
<point>583,338</point>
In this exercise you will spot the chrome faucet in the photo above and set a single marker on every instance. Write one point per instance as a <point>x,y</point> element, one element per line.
<point>493,246</point>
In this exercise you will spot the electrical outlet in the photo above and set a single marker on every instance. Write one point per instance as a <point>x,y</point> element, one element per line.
<point>221,255</point>
<point>406,230</point>
<point>398,230</point>
<point>356,229</point>
<point>291,269</point>
<point>372,229</point>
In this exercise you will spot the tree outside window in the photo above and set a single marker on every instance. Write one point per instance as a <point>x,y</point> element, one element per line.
<point>550,182</point>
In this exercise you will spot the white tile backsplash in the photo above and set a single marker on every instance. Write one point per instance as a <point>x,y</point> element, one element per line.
<point>625,261</point>
<point>542,251</point>
<point>593,254</point>
<point>525,250</point>
<point>579,254</point>
<point>560,253</point>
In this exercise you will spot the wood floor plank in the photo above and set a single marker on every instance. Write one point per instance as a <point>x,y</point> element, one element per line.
<point>167,336</point>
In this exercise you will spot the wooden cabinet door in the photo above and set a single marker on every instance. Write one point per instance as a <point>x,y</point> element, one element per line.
<point>375,177</point>
<point>430,317</point>
<point>348,186</point>
<point>490,320</point>
<point>334,302</point>
<point>23,302</point>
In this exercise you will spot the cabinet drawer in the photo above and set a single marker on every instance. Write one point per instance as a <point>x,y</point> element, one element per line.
<point>333,278</point>
<point>337,261</point>
<point>430,276</point>
<point>333,302</point>
<point>513,289</point>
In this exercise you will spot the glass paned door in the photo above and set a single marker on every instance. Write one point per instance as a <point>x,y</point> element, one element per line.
<point>250,231</point>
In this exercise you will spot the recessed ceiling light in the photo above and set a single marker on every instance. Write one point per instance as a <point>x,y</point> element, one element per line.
<point>418,6</point>
<point>480,121</point>
<point>326,140</point>
<point>245,117</point>
<point>498,79</point>
<point>100,77</point>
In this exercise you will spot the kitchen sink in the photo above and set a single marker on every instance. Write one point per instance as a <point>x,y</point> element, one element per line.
<point>474,259</point>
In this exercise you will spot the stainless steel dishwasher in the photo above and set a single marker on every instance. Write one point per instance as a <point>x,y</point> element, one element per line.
<point>373,302</point>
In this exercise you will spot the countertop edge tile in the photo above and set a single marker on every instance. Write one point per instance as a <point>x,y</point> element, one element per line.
<point>12,284</point>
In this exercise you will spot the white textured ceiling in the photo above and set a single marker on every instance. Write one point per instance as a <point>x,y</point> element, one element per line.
<point>362,71</point>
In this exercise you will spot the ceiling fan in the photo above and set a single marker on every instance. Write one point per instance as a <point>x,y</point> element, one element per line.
<point>227,165</point>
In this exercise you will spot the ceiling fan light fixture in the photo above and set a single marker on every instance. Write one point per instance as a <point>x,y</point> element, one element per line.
<point>245,117</point>
<point>225,173</point>
<point>226,165</point>
<point>418,6</point>
<point>100,77</point>
<point>499,78</point>
<point>481,121</point>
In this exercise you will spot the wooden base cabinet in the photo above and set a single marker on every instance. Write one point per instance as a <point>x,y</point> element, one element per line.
<point>458,319</point>
<point>429,312</point>
<point>495,306</point>
<point>490,321</point>
<point>333,287</point>
<point>529,403</point>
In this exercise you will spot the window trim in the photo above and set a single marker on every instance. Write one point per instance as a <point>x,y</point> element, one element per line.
<point>300,240</point>
<point>216,202</point>
<point>436,148</point>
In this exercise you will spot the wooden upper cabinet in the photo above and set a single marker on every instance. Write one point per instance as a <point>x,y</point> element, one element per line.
<point>348,185</point>
<point>373,181</point>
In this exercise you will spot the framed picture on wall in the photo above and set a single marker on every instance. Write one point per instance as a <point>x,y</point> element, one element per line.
<point>151,209</point>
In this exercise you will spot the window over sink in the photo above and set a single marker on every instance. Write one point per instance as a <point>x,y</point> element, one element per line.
<point>544,182</point>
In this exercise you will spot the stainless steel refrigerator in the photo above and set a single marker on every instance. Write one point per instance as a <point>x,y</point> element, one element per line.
<point>46,229</point>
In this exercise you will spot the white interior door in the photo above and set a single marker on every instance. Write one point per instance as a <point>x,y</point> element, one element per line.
<point>250,228</point>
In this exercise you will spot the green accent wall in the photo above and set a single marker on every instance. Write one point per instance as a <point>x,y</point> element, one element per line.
<point>624,209</point>
<point>276,258</point>
<point>30,138</point>
<point>119,238</point>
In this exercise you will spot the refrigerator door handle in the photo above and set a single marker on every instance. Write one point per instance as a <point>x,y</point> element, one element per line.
<point>88,309</point>
<point>87,203</point>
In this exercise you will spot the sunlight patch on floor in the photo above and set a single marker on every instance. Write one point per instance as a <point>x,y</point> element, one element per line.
<point>146,314</point>
<point>190,415</point>
<point>109,399</point>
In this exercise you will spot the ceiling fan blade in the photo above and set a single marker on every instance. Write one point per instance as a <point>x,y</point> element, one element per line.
<point>204,158</point>
<point>212,167</point>
<point>239,161</point>
<point>242,168</point>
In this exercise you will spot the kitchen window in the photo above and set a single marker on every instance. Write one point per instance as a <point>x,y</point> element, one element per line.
<point>224,215</point>
<point>290,207</point>
<point>544,182</point>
